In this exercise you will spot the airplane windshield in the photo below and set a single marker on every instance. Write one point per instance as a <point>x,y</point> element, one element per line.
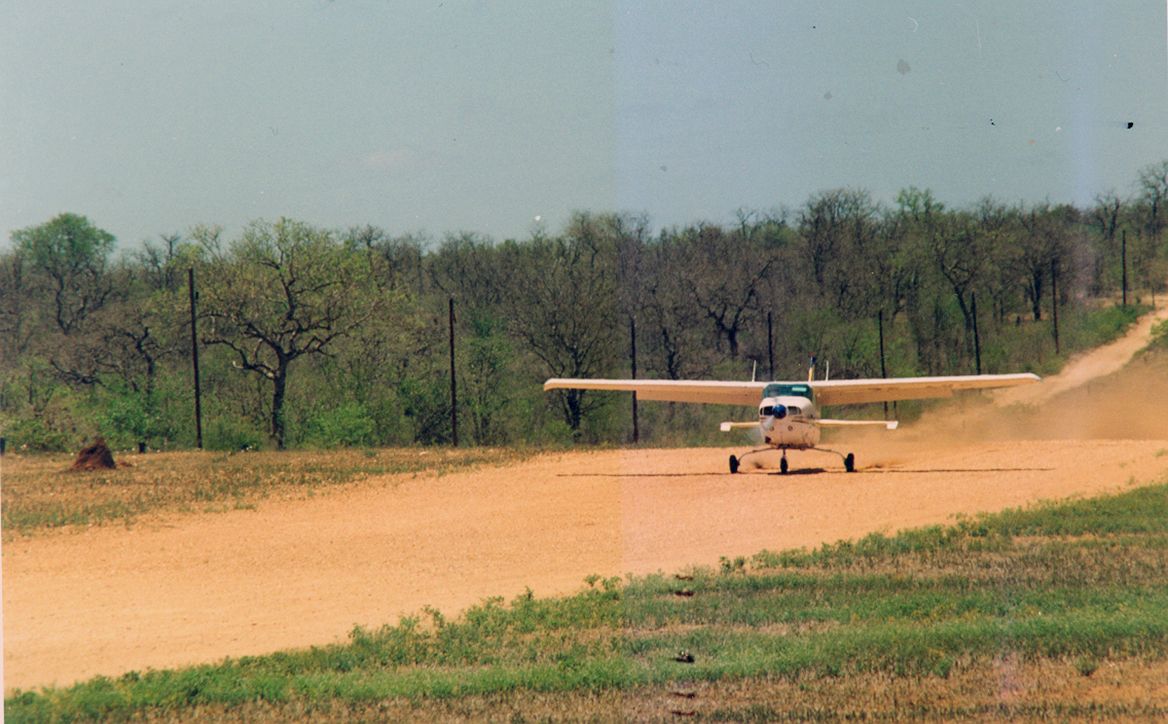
<point>786,389</point>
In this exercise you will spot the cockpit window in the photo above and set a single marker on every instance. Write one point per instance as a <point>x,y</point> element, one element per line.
<point>786,389</point>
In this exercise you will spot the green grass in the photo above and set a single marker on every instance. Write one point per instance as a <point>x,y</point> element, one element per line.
<point>1074,588</point>
<point>1029,346</point>
<point>1101,325</point>
<point>1159,336</point>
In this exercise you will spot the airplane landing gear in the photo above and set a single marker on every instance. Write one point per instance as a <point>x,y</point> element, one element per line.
<point>784,466</point>
<point>736,462</point>
<point>849,459</point>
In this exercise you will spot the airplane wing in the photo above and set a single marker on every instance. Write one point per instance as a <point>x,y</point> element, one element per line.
<point>886,424</point>
<point>827,392</point>
<point>728,426</point>
<point>850,392</point>
<point>718,393</point>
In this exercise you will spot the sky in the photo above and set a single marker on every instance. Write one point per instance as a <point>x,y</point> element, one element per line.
<point>503,117</point>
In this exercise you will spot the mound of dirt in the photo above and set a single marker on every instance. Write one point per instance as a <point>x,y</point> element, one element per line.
<point>95,457</point>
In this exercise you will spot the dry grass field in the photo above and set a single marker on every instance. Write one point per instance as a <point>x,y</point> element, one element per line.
<point>41,493</point>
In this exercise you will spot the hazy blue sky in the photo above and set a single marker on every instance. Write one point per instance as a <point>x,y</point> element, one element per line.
<point>150,117</point>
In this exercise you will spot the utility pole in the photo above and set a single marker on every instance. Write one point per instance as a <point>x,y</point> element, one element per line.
<point>976,336</point>
<point>195,361</point>
<point>883,368</point>
<point>1054,302</point>
<point>1123,260</point>
<point>633,361</point>
<point>453,383</point>
<point>770,346</point>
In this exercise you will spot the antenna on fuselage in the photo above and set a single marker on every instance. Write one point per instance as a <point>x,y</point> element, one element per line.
<point>811,370</point>
<point>754,372</point>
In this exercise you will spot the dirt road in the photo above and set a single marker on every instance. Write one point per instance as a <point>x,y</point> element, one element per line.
<point>1093,365</point>
<point>195,588</point>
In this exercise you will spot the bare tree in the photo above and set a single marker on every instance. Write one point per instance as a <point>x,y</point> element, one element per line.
<point>284,291</point>
<point>1106,218</point>
<point>724,274</point>
<point>1041,244</point>
<point>563,308</point>
<point>833,225</point>
<point>962,255</point>
<point>1153,196</point>
<point>160,262</point>
<point>671,333</point>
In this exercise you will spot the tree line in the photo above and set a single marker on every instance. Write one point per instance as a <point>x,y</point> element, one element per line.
<point>321,337</point>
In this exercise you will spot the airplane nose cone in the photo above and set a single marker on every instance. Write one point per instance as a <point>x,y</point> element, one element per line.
<point>780,412</point>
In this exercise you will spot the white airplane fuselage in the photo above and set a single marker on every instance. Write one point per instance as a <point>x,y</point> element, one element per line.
<point>789,422</point>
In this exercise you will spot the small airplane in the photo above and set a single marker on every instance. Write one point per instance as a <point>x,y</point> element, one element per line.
<point>788,416</point>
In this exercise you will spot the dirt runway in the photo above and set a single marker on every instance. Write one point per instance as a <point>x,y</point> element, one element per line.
<point>200,587</point>
<point>194,588</point>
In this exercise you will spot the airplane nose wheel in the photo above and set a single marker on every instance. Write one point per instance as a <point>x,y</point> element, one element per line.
<point>736,462</point>
<point>850,463</point>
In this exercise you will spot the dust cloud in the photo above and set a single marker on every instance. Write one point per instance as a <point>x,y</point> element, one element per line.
<point>1115,392</point>
<point>1131,404</point>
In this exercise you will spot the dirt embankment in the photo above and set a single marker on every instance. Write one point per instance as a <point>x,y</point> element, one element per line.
<point>195,588</point>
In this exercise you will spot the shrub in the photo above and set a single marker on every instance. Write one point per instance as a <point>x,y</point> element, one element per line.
<point>232,433</point>
<point>348,425</point>
<point>1159,336</point>
<point>35,433</point>
<point>125,417</point>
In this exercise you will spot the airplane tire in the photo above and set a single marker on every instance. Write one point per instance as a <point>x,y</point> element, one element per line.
<point>850,463</point>
<point>783,466</point>
<point>733,464</point>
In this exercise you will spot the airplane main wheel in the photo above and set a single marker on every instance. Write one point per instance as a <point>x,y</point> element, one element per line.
<point>783,466</point>
<point>733,464</point>
<point>850,463</point>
